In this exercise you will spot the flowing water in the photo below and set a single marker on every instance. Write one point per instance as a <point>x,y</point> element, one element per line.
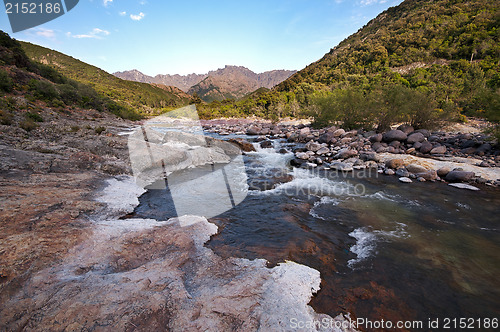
<point>385,250</point>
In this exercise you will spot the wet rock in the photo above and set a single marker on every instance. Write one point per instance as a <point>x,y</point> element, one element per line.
<point>376,138</point>
<point>421,179</point>
<point>402,172</point>
<point>369,156</point>
<point>415,137</point>
<point>464,186</point>
<point>459,176</point>
<point>394,135</point>
<point>426,147</point>
<point>405,180</point>
<point>389,172</point>
<point>302,155</point>
<point>283,151</point>
<point>266,144</point>
<point>438,150</point>
<point>296,162</point>
<point>341,167</point>
<point>254,130</point>
<point>242,144</point>
<point>394,163</point>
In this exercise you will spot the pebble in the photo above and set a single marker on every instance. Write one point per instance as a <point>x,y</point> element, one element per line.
<point>405,180</point>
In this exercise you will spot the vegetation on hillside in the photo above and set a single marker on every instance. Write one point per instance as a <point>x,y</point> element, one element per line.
<point>41,82</point>
<point>444,53</point>
<point>145,98</point>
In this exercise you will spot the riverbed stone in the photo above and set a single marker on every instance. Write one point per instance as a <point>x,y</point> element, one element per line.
<point>459,176</point>
<point>338,132</point>
<point>443,171</point>
<point>414,168</point>
<point>405,179</point>
<point>438,150</point>
<point>254,130</point>
<point>346,153</point>
<point>426,147</point>
<point>323,150</point>
<point>406,128</point>
<point>313,146</point>
<point>266,144</point>
<point>415,137</point>
<point>394,163</point>
<point>464,186</point>
<point>389,171</point>
<point>394,135</point>
<point>376,138</point>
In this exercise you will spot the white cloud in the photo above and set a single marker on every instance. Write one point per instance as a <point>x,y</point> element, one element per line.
<point>96,33</point>
<point>371,2</point>
<point>106,2</point>
<point>123,13</point>
<point>47,33</point>
<point>137,17</point>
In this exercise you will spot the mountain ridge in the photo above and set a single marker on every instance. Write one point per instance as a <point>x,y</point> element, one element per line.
<point>230,82</point>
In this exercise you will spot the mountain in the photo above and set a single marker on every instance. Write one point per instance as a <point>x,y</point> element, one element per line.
<point>443,54</point>
<point>230,82</point>
<point>145,98</point>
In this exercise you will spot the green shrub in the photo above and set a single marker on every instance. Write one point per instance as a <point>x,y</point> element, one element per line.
<point>6,118</point>
<point>28,125</point>
<point>43,90</point>
<point>6,83</point>
<point>74,129</point>
<point>99,130</point>
<point>34,116</point>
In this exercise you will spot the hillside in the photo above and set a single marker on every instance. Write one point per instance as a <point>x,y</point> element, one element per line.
<point>441,54</point>
<point>144,97</point>
<point>230,82</point>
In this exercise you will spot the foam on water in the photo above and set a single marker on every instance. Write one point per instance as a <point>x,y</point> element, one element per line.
<point>325,200</point>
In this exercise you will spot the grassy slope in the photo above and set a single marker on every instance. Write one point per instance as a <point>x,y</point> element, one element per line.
<point>142,96</point>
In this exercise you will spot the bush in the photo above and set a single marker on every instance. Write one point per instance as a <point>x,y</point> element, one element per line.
<point>28,125</point>
<point>34,116</point>
<point>99,130</point>
<point>6,83</point>
<point>43,90</point>
<point>6,118</point>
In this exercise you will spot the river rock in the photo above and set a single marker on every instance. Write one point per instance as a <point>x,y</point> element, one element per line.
<point>323,150</point>
<point>443,171</point>
<point>424,132</point>
<point>266,144</point>
<point>394,135</point>
<point>426,147</point>
<point>389,172</point>
<point>402,172</point>
<point>369,156</point>
<point>242,144</point>
<point>341,167</point>
<point>345,153</point>
<point>464,186</point>
<point>459,176</point>
<point>429,175</point>
<point>405,180</point>
<point>439,150</point>
<point>302,155</point>
<point>327,137</point>
<point>394,163</point>
<point>338,132</point>
<point>376,138</point>
<point>313,146</point>
<point>414,168</point>
<point>415,137</point>
<point>254,130</point>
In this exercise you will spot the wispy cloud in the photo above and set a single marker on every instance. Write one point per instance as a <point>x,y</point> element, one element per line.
<point>371,2</point>
<point>47,33</point>
<point>138,17</point>
<point>106,2</point>
<point>123,13</point>
<point>96,33</point>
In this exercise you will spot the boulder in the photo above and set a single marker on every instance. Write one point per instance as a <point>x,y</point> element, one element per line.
<point>428,175</point>
<point>426,147</point>
<point>415,137</point>
<point>313,146</point>
<point>413,168</point>
<point>242,144</point>
<point>394,135</point>
<point>338,132</point>
<point>323,150</point>
<point>459,176</point>
<point>254,130</point>
<point>394,163</point>
<point>266,144</point>
<point>376,138</point>
<point>439,150</point>
<point>443,171</point>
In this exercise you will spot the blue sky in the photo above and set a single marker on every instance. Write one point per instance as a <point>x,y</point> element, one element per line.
<point>195,36</point>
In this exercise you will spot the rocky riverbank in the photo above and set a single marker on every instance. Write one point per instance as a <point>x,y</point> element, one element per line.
<point>68,262</point>
<point>412,155</point>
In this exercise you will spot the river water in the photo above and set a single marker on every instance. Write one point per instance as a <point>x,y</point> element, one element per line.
<point>385,250</point>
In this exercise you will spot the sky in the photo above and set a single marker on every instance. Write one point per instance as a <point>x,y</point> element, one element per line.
<point>196,36</point>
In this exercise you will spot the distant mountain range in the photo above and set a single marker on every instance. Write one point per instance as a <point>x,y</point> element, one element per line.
<point>230,82</point>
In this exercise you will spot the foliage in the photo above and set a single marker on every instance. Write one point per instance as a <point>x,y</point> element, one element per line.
<point>6,117</point>
<point>28,125</point>
<point>34,116</point>
<point>99,130</point>
<point>6,83</point>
